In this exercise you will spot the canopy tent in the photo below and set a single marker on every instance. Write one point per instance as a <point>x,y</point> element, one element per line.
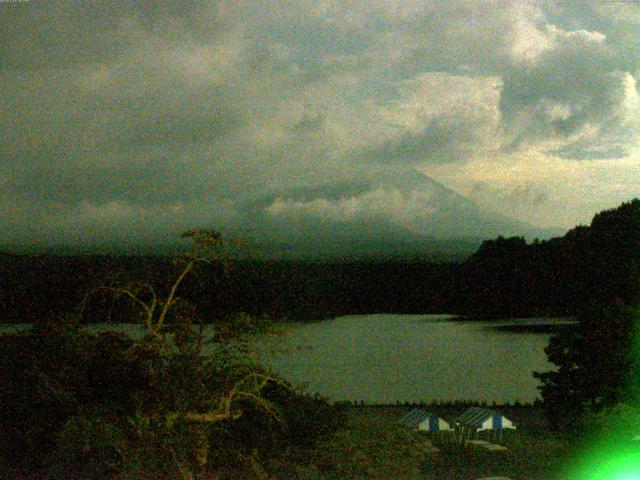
<point>424,421</point>
<point>477,419</point>
<point>483,419</point>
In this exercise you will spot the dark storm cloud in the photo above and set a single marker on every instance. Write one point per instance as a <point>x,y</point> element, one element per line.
<point>457,36</point>
<point>444,139</point>
<point>58,33</point>
<point>69,145</point>
<point>575,93</point>
<point>177,112</point>
<point>589,152</point>
<point>309,124</point>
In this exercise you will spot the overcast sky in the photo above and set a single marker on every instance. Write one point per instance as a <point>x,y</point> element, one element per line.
<point>148,116</point>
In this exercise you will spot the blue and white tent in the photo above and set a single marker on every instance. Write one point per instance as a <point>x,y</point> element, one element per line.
<point>425,421</point>
<point>481,419</point>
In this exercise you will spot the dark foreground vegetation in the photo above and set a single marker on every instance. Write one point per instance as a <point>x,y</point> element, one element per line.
<point>77,405</point>
<point>81,405</point>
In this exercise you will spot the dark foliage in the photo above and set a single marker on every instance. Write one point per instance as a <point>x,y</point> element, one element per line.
<point>596,264</point>
<point>80,405</point>
<point>33,288</point>
<point>596,364</point>
<point>56,373</point>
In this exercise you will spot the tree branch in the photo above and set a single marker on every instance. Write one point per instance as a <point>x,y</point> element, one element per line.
<point>172,292</point>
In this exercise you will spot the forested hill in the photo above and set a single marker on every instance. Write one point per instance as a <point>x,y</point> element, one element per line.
<point>590,264</point>
<point>35,287</point>
<point>504,277</point>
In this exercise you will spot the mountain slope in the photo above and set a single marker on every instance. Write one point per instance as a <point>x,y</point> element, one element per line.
<point>382,214</point>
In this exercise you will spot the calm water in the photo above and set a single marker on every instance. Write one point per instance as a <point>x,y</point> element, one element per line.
<point>384,358</point>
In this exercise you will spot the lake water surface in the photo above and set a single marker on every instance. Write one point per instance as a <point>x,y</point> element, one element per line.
<point>386,358</point>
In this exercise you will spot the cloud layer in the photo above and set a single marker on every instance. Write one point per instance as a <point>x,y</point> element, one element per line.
<point>126,120</point>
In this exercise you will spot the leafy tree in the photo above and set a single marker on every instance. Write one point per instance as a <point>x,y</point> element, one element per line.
<point>597,363</point>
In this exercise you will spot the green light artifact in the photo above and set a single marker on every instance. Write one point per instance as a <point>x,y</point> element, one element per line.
<point>616,462</point>
<point>613,453</point>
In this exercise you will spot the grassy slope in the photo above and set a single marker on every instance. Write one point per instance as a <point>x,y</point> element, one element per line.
<point>373,446</point>
<point>370,446</point>
<point>534,451</point>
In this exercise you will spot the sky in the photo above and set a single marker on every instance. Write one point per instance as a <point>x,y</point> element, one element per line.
<point>123,121</point>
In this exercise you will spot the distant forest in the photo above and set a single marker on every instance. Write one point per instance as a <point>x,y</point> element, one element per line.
<point>505,277</point>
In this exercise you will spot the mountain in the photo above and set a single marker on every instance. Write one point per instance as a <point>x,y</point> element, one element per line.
<point>404,214</point>
<point>401,213</point>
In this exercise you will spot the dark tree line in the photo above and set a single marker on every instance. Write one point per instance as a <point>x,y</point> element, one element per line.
<point>504,277</point>
<point>597,363</point>
<point>589,265</point>
<point>32,288</point>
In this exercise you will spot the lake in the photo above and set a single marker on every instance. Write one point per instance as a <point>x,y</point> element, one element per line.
<point>387,358</point>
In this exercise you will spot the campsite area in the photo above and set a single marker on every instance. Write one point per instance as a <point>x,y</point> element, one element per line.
<point>534,450</point>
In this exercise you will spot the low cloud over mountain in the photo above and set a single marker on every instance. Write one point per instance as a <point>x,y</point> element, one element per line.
<point>124,122</point>
<point>380,214</point>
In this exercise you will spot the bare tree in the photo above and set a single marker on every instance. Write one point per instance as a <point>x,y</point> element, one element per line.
<point>206,246</point>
